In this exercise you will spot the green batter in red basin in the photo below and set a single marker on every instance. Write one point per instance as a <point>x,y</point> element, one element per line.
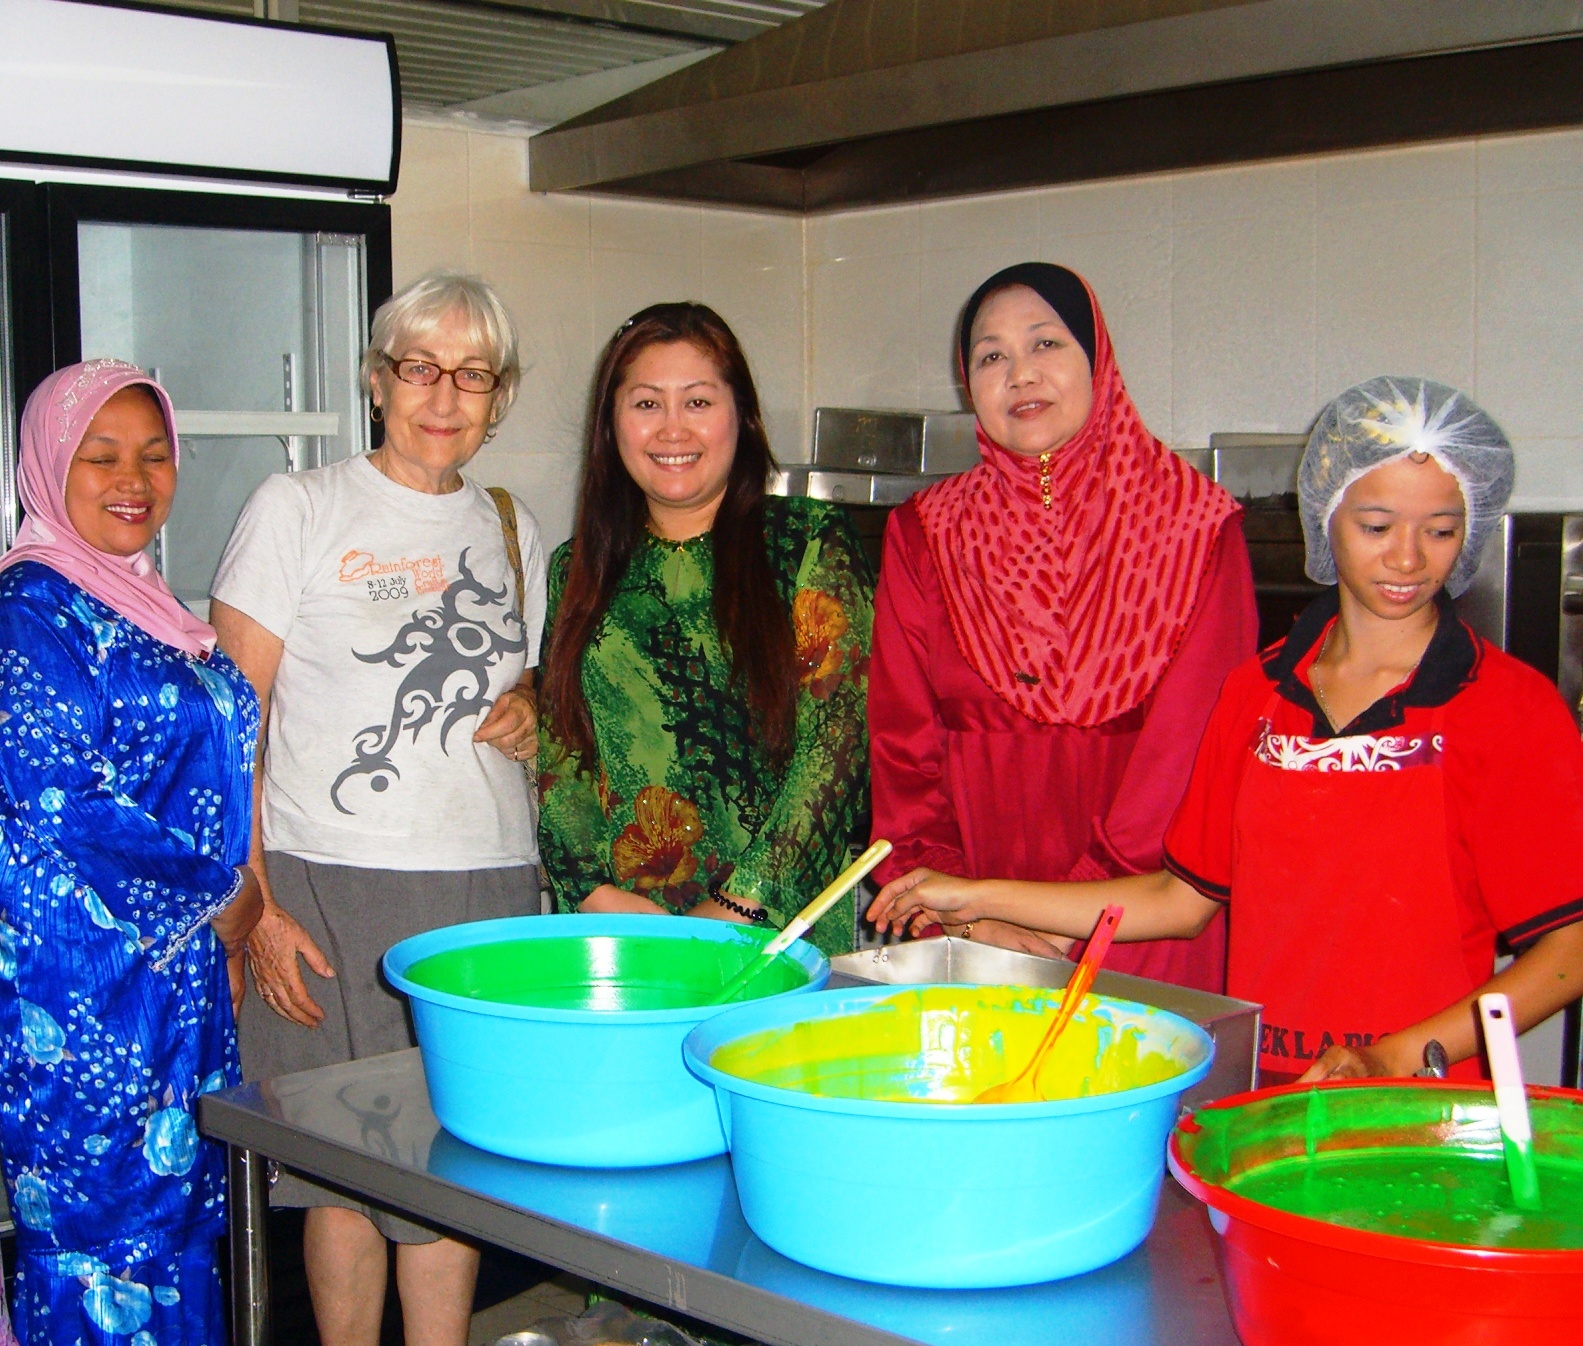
<point>1382,1212</point>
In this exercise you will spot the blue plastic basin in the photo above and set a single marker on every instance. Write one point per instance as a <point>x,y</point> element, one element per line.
<point>954,1195</point>
<point>570,1079</point>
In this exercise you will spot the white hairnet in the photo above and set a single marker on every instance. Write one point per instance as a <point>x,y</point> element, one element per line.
<point>1382,420</point>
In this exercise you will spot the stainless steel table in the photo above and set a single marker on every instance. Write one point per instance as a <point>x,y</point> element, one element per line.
<point>674,1236</point>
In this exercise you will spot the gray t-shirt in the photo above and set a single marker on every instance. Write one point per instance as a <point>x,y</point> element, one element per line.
<point>397,610</point>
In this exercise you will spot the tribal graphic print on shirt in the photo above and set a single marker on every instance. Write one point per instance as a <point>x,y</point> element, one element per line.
<point>445,655</point>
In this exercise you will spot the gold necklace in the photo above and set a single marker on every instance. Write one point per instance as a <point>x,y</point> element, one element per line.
<point>1319,694</point>
<point>1313,680</point>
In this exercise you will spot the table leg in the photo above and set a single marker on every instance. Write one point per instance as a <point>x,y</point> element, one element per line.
<point>249,1248</point>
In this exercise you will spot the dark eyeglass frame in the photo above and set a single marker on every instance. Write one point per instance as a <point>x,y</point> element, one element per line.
<point>440,373</point>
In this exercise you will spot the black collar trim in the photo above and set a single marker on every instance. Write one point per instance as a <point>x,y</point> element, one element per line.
<point>1449,664</point>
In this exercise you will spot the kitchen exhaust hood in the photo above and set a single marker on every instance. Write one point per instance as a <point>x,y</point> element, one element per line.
<point>870,101</point>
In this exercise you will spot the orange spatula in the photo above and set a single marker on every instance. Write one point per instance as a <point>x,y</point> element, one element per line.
<point>1020,1088</point>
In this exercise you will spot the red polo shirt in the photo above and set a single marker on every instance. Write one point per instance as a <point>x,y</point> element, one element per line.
<point>1511,763</point>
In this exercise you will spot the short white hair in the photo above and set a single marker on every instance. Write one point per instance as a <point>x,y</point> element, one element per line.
<point>417,309</point>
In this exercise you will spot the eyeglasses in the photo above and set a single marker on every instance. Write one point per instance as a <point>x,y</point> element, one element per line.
<point>425,374</point>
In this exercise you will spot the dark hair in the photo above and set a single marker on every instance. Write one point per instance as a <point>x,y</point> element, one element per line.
<point>750,615</point>
<point>1061,289</point>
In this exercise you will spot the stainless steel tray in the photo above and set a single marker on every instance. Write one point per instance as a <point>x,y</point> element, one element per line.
<point>848,439</point>
<point>848,488</point>
<point>1234,1024</point>
<point>1258,468</point>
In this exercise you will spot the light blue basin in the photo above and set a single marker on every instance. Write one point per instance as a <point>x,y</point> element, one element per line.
<point>947,1195</point>
<point>589,1087</point>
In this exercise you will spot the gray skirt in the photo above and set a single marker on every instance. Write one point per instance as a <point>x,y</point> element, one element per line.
<point>354,915</point>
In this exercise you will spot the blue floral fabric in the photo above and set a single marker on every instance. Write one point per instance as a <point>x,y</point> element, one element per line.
<point>125,807</point>
<point>73,1298</point>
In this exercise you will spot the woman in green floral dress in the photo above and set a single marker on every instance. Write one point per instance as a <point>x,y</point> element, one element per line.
<point>704,750</point>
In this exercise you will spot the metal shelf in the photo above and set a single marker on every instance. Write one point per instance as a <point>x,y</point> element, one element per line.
<point>246,424</point>
<point>674,1236</point>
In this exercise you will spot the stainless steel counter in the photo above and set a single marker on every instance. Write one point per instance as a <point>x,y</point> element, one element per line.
<point>676,1236</point>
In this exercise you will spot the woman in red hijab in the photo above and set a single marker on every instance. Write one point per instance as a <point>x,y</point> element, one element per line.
<point>1052,627</point>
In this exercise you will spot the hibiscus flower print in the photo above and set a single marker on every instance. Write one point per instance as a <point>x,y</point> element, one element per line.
<point>116,1306</point>
<point>609,800</point>
<point>818,622</point>
<point>170,1141</point>
<point>655,850</point>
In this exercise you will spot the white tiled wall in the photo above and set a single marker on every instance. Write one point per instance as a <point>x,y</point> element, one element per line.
<point>571,269</point>
<point>1241,298</point>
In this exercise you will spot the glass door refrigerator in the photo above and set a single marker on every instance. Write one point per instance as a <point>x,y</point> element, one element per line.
<point>24,328</point>
<point>251,310</point>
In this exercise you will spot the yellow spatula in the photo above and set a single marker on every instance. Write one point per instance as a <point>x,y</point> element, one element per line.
<point>845,881</point>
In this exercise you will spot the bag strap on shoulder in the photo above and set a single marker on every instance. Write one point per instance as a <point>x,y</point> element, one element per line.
<point>508,529</point>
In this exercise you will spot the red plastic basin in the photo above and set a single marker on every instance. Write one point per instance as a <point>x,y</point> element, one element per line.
<point>1293,1280</point>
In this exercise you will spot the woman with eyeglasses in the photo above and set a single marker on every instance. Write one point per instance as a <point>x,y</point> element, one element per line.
<point>387,611</point>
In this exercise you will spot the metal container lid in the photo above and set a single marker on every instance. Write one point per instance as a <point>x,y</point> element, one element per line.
<point>1259,469</point>
<point>932,443</point>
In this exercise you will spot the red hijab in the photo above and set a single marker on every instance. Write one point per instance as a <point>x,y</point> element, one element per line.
<point>1072,614</point>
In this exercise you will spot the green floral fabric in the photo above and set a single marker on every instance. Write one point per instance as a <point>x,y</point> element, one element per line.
<point>680,798</point>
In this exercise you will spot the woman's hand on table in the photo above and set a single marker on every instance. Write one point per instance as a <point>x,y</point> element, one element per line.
<point>1354,1063</point>
<point>607,899</point>
<point>924,897</point>
<point>273,949</point>
<point>512,725</point>
<point>1005,935</point>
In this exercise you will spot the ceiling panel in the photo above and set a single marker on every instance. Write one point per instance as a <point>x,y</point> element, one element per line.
<point>456,51</point>
<point>451,53</point>
<point>719,20</point>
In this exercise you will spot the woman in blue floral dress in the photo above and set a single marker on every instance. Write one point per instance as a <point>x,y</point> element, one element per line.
<point>126,750</point>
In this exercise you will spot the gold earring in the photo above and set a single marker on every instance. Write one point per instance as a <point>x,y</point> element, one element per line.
<point>376,412</point>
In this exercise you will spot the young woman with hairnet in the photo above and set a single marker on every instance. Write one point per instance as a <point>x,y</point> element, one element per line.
<point>1378,798</point>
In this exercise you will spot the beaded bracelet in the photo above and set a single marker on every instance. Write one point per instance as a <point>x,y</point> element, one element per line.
<point>747,913</point>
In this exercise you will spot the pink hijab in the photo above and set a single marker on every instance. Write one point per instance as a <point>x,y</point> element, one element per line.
<point>53,424</point>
